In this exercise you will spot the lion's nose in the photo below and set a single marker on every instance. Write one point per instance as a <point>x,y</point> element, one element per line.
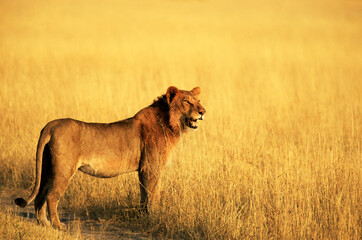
<point>202,111</point>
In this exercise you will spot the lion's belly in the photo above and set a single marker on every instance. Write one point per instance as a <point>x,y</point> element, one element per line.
<point>104,167</point>
<point>109,150</point>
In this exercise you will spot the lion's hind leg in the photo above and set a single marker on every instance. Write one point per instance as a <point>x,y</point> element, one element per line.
<point>62,172</point>
<point>55,193</point>
<point>41,214</point>
<point>41,207</point>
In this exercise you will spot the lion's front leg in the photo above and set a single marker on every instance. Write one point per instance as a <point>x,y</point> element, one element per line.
<point>150,190</point>
<point>152,161</point>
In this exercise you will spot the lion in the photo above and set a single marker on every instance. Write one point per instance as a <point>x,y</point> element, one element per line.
<point>140,143</point>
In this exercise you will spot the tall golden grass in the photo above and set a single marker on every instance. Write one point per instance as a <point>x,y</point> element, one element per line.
<point>279,154</point>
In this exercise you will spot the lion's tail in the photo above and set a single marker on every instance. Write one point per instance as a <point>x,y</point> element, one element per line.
<point>43,140</point>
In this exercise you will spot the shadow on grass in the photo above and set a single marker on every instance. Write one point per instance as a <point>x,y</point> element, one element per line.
<point>121,210</point>
<point>90,228</point>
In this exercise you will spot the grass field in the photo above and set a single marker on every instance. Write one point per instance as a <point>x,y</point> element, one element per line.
<point>15,227</point>
<point>279,153</point>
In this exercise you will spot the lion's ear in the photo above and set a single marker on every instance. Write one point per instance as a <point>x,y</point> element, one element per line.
<point>171,93</point>
<point>196,91</point>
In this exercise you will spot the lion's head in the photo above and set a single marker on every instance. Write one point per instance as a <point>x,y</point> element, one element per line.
<point>185,107</point>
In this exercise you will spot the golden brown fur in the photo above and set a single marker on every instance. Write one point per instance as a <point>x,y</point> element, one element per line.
<point>141,143</point>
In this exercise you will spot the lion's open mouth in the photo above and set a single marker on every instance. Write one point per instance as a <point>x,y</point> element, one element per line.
<point>192,122</point>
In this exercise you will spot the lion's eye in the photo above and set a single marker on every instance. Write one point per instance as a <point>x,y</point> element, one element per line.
<point>187,101</point>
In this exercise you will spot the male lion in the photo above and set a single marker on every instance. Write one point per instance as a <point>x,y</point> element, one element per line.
<point>140,143</point>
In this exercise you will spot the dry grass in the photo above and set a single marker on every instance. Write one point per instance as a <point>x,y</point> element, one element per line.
<point>279,154</point>
<point>15,227</point>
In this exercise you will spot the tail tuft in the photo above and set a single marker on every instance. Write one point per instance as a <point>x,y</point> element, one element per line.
<point>21,202</point>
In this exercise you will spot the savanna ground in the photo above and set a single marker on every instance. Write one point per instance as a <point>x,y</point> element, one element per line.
<point>279,153</point>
